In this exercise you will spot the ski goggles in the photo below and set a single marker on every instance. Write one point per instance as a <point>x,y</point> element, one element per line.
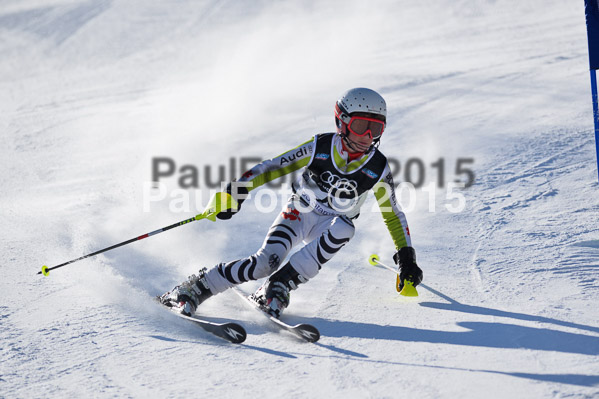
<point>361,125</point>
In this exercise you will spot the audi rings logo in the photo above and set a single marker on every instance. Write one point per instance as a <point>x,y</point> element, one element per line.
<point>338,183</point>
<point>342,192</point>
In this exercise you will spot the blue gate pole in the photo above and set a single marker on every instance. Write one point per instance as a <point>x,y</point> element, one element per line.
<point>595,114</point>
<point>591,11</point>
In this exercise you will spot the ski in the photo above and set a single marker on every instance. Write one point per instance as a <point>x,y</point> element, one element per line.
<point>307,332</point>
<point>232,332</point>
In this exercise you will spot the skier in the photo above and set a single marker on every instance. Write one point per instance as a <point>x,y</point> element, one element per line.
<point>339,169</point>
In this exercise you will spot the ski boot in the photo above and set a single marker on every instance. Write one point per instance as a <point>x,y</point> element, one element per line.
<point>273,296</point>
<point>186,297</point>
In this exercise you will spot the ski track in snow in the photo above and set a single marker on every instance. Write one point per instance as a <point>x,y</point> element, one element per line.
<point>91,91</point>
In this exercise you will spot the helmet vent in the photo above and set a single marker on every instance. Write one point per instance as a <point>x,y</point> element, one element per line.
<point>361,99</point>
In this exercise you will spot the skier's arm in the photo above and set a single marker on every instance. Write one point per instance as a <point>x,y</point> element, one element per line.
<point>272,169</point>
<point>396,222</point>
<point>394,218</point>
<point>266,171</point>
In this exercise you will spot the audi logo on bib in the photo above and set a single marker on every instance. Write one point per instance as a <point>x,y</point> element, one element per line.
<point>342,192</point>
<point>338,183</point>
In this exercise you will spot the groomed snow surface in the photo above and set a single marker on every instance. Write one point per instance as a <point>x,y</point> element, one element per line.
<point>92,91</point>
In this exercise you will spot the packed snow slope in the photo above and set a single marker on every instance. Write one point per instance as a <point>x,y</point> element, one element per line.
<point>92,91</point>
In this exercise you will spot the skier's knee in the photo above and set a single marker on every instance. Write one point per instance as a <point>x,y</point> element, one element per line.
<point>342,229</point>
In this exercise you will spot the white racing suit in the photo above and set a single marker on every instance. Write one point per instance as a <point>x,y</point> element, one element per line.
<point>327,195</point>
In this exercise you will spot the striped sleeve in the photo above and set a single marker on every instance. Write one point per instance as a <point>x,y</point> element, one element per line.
<point>394,218</point>
<point>272,169</point>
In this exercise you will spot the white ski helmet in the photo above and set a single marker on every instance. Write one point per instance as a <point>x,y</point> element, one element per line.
<point>359,101</point>
<point>364,100</point>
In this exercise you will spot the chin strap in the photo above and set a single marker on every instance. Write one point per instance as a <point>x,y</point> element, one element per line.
<point>348,144</point>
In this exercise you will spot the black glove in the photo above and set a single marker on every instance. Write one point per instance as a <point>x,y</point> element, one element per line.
<point>239,194</point>
<point>405,258</point>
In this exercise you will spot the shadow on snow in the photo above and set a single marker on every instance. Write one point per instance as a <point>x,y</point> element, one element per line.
<point>458,307</point>
<point>480,334</point>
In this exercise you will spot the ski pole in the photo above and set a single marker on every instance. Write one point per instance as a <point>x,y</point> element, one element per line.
<point>408,288</point>
<point>219,202</point>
